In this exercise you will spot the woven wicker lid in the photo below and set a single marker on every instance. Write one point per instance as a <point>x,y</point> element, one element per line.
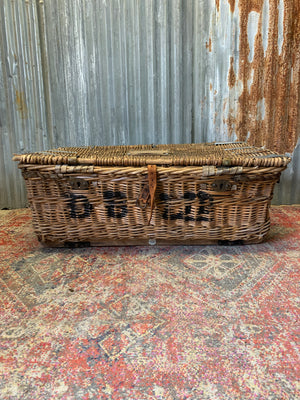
<point>219,154</point>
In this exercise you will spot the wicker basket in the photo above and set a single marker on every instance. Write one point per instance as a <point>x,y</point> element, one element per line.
<point>165,194</point>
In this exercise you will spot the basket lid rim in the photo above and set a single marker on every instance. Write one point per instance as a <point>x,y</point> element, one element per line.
<point>214,153</point>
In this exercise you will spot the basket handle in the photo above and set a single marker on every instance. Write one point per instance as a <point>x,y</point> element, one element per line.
<point>150,152</point>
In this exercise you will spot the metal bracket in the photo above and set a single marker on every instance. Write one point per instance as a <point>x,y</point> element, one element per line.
<point>220,185</point>
<point>79,184</point>
<point>144,197</point>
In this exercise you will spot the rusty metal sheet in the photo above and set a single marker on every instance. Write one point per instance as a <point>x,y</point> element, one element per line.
<point>22,118</point>
<point>79,72</point>
<point>269,71</point>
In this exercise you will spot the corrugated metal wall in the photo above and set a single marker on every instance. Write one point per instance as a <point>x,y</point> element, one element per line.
<point>148,71</point>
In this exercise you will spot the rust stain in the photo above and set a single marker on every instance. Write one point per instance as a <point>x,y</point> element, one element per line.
<point>21,104</point>
<point>208,45</point>
<point>231,121</point>
<point>210,86</point>
<point>232,5</point>
<point>231,113</point>
<point>256,5</point>
<point>231,74</point>
<point>271,85</point>
<point>218,5</point>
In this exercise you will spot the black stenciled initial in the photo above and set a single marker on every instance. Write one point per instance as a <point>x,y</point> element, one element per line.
<point>205,204</point>
<point>166,213</point>
<point>188,209</point>
<point>80,206</point>
<point>115,204</point>
<point>179,215</point>
<point>206,201</point>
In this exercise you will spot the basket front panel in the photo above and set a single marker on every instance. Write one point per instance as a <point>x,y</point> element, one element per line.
<point>102,206</point>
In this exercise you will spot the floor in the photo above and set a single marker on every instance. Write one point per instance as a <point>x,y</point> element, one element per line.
<point>182,322</point>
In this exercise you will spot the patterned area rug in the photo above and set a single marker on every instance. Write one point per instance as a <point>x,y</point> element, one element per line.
<point>139,323</point>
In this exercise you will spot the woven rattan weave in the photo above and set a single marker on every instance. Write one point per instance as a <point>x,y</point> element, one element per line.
<point>164,194</point>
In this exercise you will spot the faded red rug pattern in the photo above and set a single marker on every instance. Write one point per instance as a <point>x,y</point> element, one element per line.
<point>182,323</point>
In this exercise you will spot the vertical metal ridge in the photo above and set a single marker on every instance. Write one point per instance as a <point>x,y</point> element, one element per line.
<point>23,123</point>
<point>102,63</point>
<point>44,71</point>
<point>176,62</point>
<point>149,17</point>
<point>162,82</point>
<point>187,72</point>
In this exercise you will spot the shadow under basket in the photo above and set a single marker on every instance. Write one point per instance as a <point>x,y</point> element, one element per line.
<point>211,193</point>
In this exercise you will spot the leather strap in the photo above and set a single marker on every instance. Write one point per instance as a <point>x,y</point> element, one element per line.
<point>148,191</point>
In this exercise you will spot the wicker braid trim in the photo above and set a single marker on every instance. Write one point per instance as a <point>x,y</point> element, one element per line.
<point>209,154</point>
